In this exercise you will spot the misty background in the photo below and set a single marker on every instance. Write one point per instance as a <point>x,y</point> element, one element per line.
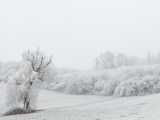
<point>68,59</point>
<point>77,31</point>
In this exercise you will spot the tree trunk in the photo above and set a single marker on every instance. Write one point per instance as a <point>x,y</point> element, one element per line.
<point>26,103</point>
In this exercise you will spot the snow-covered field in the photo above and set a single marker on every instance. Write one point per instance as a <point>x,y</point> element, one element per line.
<point>58,106</point>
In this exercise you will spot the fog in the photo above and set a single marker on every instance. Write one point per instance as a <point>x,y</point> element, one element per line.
<point>76,31</point>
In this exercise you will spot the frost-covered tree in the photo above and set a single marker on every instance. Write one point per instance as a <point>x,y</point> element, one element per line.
<point>22,86</point>
<point>105,61</point>
<point>38,60</point>
<point>121,60</point>
<point>150,58</point>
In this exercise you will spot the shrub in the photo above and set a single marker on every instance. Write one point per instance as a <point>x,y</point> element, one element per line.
<point>124,81</point>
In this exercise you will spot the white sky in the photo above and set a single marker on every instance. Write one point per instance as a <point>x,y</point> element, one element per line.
<point>76,31</point>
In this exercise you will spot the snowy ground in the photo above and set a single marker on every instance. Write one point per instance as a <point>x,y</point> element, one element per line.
<point>59,106</point>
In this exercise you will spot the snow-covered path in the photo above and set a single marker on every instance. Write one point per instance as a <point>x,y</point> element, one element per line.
<point>58,106</point>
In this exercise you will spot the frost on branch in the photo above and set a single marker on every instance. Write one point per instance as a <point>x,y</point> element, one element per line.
<point>22,90</point>
<point>38,60</point>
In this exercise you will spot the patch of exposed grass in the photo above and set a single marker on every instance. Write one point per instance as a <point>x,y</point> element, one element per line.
<point>16,111</point>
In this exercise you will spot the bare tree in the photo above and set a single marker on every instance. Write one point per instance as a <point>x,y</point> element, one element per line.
<point>38,60</point>
<point>22,91</point>
<point>39,63</point>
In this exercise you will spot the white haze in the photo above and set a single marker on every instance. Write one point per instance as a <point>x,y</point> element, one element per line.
<point>76,31</point>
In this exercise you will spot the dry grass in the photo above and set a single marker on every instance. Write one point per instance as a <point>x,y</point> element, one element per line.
<point>16,111</point>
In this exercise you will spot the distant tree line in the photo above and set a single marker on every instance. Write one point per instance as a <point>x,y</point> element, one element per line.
<point>108,60</point>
